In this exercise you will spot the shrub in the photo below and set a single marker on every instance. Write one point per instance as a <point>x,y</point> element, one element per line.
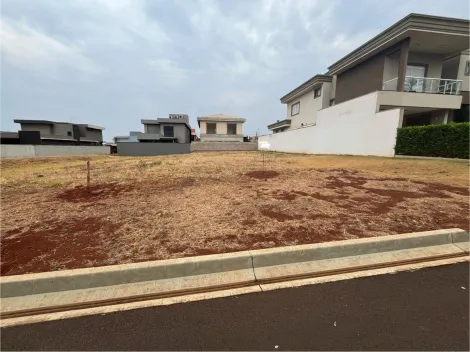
<point>448,141</point>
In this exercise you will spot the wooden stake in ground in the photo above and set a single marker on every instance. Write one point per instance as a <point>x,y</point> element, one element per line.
<point>263,161</point>
<point>88,175</point>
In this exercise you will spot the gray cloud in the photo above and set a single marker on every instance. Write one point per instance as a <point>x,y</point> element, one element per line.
<point>113,62</point>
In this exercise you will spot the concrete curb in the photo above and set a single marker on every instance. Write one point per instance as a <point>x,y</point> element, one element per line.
<point>65,290</point>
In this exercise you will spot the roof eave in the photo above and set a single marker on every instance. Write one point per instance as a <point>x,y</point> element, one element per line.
<point>314,82</point>
<point>411,22</point>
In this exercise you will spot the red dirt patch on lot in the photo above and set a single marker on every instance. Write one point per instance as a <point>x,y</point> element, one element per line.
<point>84,194</point>
<point>53,245</point>
<point>278,215</point>
<point>262,175</point>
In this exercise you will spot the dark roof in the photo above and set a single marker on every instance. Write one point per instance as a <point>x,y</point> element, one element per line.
<point>279,124</point>
<point>414,21</point>
<point>41,122</point>
<point>313,82</point>
<point>165,120</point>
<point>48,122</point>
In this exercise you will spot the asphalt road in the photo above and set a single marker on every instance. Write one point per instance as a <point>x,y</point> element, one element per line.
<point>422,310</point>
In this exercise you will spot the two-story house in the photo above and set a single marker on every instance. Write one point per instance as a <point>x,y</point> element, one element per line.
<point>161,136</point>
<point>59,133</point>
<point>221,128</point>
<point>174,129</point>
<point>419,65</point>
<point>303,103</point>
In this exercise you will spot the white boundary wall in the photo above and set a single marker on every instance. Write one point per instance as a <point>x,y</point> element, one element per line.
<point>31,151</point>
<point>353,127</point>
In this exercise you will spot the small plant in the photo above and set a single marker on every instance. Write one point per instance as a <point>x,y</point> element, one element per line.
<point>141,165</point>
<point>156,163</point>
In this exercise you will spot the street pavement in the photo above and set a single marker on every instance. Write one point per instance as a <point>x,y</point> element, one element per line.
<point>427,309</point>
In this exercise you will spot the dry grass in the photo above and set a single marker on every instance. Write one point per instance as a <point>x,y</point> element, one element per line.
<point>166,207</point>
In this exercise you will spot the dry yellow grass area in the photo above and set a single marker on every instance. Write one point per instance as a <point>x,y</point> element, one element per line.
<point>148,208</point>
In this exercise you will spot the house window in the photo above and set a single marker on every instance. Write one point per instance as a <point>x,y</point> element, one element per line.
<point>467,68</point>
<point>168,131</point>
<point>69,133</point>
<point>231,128</point>
<point>211,128</point>
<point>295,109</point>
<point>317,93</point>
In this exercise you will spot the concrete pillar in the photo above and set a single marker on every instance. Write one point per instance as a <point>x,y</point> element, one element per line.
<point>405,47</point>
<point>402,116</point>
<point>446,117</point>
<point>239,128</point>
<point>203,127</point>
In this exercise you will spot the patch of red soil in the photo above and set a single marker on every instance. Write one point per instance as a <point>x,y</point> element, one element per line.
<point>202,251</point>
<point>95,192</point>
<point>330,198</point>
<point>177,248</point>
<point>335,182</point>
<point>439,187</point>
<point>283,195</point>
<point>248,222</point>
<point>55,245</point>
<point>279,216</point>
<point>263,175</point>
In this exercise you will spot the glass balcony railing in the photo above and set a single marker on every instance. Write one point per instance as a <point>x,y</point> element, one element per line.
<point>425,85</point>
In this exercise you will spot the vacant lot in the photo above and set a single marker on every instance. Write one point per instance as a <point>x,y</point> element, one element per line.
<point>167,207</point>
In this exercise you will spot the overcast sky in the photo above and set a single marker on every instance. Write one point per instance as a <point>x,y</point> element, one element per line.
<point>114,62</point>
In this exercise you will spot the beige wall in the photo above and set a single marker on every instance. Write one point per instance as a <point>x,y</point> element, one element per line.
<point>333,88</point>
<point>61,129</point>
<point>221,127</point>
<point>221,131</point>
<point>309,106</point>
<point>433,61</point>
<point>202,127</point>
<point>325,95</point>
<point>461,73</point>
<point>419,100</point>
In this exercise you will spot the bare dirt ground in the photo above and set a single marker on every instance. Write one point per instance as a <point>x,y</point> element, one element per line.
<point>149,208</point>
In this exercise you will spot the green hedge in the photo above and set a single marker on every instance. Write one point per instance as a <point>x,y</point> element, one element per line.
<point>448,141</point>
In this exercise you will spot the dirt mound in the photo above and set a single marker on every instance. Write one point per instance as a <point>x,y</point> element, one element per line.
<point>262,175</point>
<point>95,192</point>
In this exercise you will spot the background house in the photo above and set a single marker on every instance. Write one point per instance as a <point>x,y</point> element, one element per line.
<point>132,137</point>
<point>161,136</point>
<point>166,130</point>
<point>221,128</point>
<point>46,132</point>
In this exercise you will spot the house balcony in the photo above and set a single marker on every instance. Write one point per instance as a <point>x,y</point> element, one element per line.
<point>420,93</point>
<point>425,85</point>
